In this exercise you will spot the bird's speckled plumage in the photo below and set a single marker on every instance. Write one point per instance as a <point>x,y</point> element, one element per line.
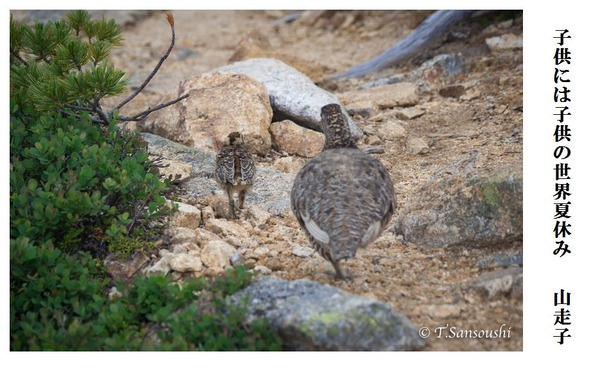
<point>334,125</point>
<point>343,198</point>
<point>235,170</point>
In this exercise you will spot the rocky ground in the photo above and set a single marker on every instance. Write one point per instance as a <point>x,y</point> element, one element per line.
<point>452,255</point>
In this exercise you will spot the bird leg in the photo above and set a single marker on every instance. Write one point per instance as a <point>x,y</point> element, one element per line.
<point>341,274</point>
<point>231,203</point>
<point>242,196</point>
<point>338,270</point>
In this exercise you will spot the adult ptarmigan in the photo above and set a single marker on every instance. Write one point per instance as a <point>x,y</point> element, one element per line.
<point>343,198</point>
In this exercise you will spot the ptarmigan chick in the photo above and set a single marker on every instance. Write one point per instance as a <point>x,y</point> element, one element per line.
<point>235,170</point>
<point>343,198</point>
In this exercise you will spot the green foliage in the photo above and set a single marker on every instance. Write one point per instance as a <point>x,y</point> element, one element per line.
<point>125,246</point>
<point>50,291</point>
<point>70,181</point>
<point>79,189</point>
<point>237,279</point>
<point>152,314</point>
<point>222,329</point>
<point>64,65</point>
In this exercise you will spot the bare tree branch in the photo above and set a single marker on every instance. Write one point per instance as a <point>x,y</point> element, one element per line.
<point>94,107</point>
<point>68,114</point>
<point>94,119</point>
<point>143,115</point>
<point>156,68</point>
<point>78,108</point>
<point>97,108</point>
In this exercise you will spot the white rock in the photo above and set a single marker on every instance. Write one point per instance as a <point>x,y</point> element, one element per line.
<point>502,282</point>
<point>203,236</point>
<point>470,95</point>
<point>262,270</point>
<point>114,294</point>
<point>258,217</point>
<point>504,42</point>
<point>392,130</point>
<point>219,204</point>
<point>291,138</point>
<point>410,113</point>
<point>224,227</point>
<point>191,247</point>
<point>180,235</point>
<point>373,140</point>
<point>207,213</point>
<point>186,216</point>
<point>438,311</point>
<point>236,259</point>
<point>261,252</point>
<point>179,248</point>
<point>174,168</point>
<point>506,24</point>
<point>302,251</point>
<point>289,164</point>
<point>216,256</point>
<point>218,104</point>
<point>416,146</point>
<point>381,97</point>
<point>184,262</point>
<point>293,95</point>
<point>161,266</point>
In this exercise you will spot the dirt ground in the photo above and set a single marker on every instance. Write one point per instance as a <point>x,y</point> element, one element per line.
<point>429,286</point>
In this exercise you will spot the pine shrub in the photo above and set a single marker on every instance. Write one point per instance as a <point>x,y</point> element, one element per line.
<point>79,187</point>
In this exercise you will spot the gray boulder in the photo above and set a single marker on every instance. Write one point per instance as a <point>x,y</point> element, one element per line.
<point>505,282</point>
<point>293,95</point>
<point>217,105</point>
<point>271,191</point>
<point>502,259</point>
<point>313,316</point>
<point>476,212</point>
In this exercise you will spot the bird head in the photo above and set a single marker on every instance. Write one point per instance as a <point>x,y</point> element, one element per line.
<point>235,138</point>
<point>334,125</point>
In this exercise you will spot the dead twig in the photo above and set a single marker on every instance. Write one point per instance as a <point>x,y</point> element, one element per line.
<point>142,115</point>
<point>171,21</point>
